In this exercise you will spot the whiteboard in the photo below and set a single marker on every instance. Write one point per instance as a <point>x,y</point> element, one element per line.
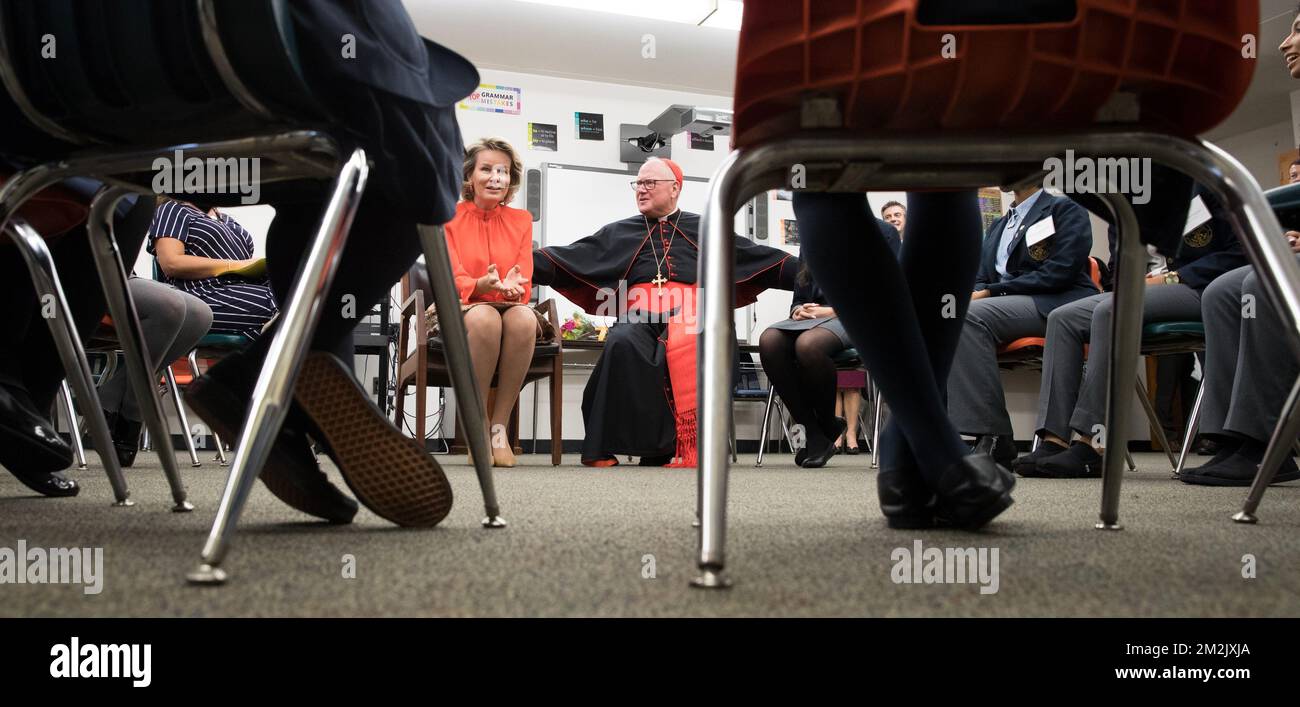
<point>578,201</point>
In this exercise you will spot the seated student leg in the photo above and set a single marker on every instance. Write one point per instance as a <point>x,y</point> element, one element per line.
<point>1084,456</point>
<point>852,398</point>
<point>1068,329</point>
<point>813,351</point>
<point>932,260</point>
<point>898,333</point>
<point>976,400</point>
<point>625,407</point>
<point>1221,310</point>
<point>1265,372</point>
<point>776,354</point>
<point>518,340</point>
<point>31,371</point>
<point>172,322</point>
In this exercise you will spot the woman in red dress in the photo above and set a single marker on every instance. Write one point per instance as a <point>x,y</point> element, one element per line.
<point>491,250</point>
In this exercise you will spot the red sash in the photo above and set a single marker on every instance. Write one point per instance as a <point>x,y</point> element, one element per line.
<point>679,302</point>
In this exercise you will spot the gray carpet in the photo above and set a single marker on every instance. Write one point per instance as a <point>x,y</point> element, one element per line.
<point>802,543</point>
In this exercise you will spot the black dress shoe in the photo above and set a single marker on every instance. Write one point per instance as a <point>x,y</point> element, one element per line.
<point>974,491</point>
<point>28,442</point>
<point>659,460</point>
<point>817,457</point>
<point>48,483</point>
<point>905,499</point>
<point>1238,469</point>
<point>1079,461</point>
<point>1027,465</point>
<point>291,472</point>
<point>1001,448</point>
<point>852,451</point>
<point>126,437</point>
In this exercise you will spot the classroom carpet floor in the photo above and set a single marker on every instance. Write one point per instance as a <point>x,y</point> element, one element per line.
<point>619,542</point>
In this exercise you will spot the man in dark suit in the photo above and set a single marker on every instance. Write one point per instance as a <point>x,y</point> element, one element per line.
<point>1208,248</point>
<point>1034,259</point>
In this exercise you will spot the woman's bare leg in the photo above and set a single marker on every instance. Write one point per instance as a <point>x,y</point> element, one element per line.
<point>852,403</point>
<point>518,339</point>
<point>483,329</point>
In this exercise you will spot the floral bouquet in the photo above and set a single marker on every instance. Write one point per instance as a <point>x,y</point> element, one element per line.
<point>578,327</point>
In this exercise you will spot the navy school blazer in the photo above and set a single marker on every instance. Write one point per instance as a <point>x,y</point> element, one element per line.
<point>1055,270</point>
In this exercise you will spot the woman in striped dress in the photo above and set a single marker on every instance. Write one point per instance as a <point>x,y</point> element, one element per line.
<point>197,251</point>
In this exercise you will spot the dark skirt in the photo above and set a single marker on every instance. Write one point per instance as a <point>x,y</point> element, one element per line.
<point>831,324</point>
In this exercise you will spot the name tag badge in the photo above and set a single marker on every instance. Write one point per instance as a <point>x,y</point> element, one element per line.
<point>1196,215</point>
<point>1040,230</point>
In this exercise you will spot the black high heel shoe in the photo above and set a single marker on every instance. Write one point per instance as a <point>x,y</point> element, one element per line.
<point>974,491</point>
<point>818,458</point>
<point>31,450</point>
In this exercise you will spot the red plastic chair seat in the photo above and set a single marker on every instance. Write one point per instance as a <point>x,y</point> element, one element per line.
<point>1182,58</point>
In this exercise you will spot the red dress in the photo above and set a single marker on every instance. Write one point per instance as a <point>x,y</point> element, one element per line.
<point>478,238</point>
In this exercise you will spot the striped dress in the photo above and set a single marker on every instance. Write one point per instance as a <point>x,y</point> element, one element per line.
<point>239,306</point>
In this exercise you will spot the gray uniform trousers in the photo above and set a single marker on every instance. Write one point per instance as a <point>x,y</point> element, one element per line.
<point>173,323</point>
<point>1072,399</point>
<point>1249,367</point>
<point>976,402</point>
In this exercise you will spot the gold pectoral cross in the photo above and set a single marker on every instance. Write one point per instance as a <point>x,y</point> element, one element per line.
<point>659,283</point>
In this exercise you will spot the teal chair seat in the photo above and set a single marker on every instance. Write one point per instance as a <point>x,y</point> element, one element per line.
<point>222,341</point>
<point>1166,329</point>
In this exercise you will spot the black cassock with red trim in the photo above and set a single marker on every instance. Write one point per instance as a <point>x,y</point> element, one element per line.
<point>628,405</point>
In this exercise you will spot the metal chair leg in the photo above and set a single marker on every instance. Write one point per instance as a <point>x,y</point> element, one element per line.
<point>767,418</point>
<point>1193,423</point>
<point>1279,446</point>
<point>216,438</point>
<point>1126,335</point>
<point>717,289</point>
<point>45,277</point>
<point>1128,458</point>
<point>879,406</point>
<point>74,429</point>
<point>180,414</point>
<point>731,438</point>
<point>1161,438</point>
<point>469,404</point>
<point>289,343</point>
<point>139,366</point>
<point>1275,264</point>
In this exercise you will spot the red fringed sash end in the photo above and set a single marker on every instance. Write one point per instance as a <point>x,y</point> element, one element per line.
<point>687,449</point>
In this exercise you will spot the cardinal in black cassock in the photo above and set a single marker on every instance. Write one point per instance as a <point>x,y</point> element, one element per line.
<point>640,399</point>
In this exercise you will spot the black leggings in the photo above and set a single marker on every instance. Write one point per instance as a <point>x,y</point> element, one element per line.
<point>904,318</point>
<point>801,369</point>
